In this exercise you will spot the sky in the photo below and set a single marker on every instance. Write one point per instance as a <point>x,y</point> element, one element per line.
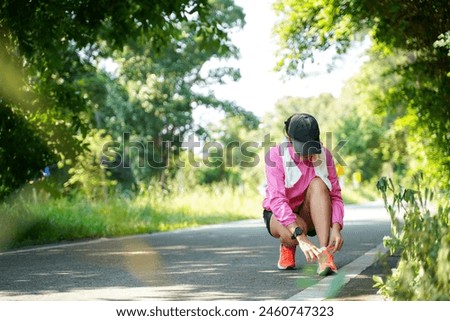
<point>260,87</point>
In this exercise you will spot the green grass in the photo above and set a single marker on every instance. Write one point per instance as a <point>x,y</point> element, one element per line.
<point>363,194</point>
<point>34,222</point>
<point>34,219</point>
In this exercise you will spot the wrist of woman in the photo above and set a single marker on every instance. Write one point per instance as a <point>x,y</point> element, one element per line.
<point>302,238</point>
<point>336,226</point>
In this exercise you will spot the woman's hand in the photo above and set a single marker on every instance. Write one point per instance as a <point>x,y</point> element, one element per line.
<point>336,240</point>
<point>309,249</point>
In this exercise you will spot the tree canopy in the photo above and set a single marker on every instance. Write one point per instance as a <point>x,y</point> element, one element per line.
<point>413,37</point>
<point>52,84</point>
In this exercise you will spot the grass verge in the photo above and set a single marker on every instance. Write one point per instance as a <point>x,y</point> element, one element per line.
<point>34,222</point>
<point>361,194</point>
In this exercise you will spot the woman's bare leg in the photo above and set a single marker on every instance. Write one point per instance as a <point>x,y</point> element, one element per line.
<point>316,210</point>
<point>280,232</point>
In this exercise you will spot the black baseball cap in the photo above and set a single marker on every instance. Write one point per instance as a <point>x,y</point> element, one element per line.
<point>304,132</point>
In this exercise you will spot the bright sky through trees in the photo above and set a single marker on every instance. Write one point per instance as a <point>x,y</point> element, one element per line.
<point>260,87</point>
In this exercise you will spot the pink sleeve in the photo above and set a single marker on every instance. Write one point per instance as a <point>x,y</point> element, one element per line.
<point>276,195</point>
<point>337,205</point>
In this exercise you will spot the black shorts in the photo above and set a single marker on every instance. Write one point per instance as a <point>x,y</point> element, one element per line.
<point>268,214</point>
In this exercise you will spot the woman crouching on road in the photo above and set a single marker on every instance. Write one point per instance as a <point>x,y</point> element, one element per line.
<point>303,196</point>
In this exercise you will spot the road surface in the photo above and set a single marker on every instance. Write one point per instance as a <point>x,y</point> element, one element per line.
<point>235,261</point>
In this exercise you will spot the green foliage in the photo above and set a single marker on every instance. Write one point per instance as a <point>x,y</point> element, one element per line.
<point>231,149</point>
<point>50,27</point>
<point>309,25</point>
<point>88,177</point>
<point>443,42</point>
<point>413,92</point>
<point>398,113</point>
<point>423,240</point>
<point>49,75</point>
<point>23,154</point>
<point>156,90</point>
<point>380,118</point>
<point>365,126</point>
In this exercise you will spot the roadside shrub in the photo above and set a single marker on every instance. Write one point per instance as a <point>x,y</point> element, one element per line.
<point>422,236</point>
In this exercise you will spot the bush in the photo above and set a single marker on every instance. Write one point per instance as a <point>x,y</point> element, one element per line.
<point>423,239</point>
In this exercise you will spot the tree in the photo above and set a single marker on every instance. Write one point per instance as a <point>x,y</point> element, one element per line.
<point>154,96</point>
<point>56,42</point>
<point>54,46</point>
<point>310,25</point>
<point>19,164</point>
<point>414,33</point>
<point>230,152</point>
<point>408,84</point>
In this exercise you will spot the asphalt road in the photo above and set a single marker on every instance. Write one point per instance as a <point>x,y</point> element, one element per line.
<point>235,261</point>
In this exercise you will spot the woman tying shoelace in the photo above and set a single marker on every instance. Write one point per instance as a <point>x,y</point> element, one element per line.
<point>303,196</point>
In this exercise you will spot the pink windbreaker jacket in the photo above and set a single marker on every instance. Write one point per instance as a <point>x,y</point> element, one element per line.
<point>288,178</point>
